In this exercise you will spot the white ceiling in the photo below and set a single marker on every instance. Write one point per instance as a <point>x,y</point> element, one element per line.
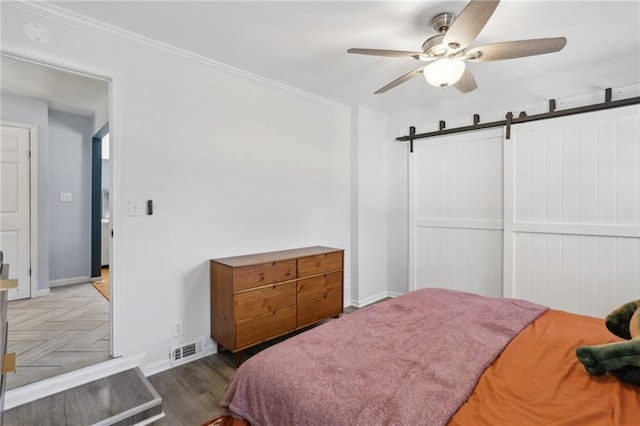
<point>303,44</point>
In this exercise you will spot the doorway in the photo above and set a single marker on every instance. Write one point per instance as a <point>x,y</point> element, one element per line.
<point>100,211</point>
<point>63,99</point>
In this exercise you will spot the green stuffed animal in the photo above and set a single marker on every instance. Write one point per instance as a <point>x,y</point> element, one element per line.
<point>622,359</point>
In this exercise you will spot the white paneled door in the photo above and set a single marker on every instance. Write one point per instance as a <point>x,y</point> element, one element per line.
<point>572,211</point>
<point>15,207</point>
<point>455,205</point>
<point>551,215</point>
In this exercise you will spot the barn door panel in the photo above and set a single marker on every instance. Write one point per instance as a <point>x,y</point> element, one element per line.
<point>572,211</point>
<point>455,199</point>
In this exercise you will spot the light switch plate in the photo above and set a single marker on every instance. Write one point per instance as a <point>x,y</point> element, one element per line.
<point>65,197</point>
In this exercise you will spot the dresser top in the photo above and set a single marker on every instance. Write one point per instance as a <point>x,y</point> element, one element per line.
<point>274,256</point>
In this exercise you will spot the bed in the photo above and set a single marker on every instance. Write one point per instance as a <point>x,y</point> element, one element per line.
<point>434,357</point>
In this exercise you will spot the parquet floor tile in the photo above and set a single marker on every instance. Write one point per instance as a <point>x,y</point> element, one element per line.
<point>65,331</point>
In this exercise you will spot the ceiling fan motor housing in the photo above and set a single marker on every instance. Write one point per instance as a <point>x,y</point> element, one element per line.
<point>442,21</point>
<point>433,46</point>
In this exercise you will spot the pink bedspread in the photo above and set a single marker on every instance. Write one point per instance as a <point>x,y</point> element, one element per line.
<point>412,360</point>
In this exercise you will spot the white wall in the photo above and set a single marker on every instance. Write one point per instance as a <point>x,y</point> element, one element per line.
<point>233,164</point>
<point>397,211</point>
<point>101,116</point>
<point>69,222</point>
<point>35,111</point>
<point>369,207</point>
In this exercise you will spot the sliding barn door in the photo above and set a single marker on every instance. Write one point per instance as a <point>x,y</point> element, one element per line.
<point>572,211</point>
<point>455,219</point>
<point>562,228</point>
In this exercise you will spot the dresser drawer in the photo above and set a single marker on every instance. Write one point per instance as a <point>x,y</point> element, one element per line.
<point>313,265</point>
<point>319,297</point>
<point>318,309</point>
<point>264,300</point>
<point>264,273</point>
<point>319,287</point>
<point>262,327</point>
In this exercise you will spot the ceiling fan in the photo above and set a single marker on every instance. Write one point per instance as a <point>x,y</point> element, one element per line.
<point>447,52</point>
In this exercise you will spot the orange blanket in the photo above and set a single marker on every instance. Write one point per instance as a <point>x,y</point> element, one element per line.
<point>537,380</point>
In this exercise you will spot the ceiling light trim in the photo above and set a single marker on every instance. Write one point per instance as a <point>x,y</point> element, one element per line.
<point>94,26</point>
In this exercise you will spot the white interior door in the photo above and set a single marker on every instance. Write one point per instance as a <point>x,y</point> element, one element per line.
<point>15,207</point>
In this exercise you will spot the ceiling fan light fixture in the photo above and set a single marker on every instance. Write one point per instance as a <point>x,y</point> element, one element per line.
<point>448,50</point>
<point>444,72</point>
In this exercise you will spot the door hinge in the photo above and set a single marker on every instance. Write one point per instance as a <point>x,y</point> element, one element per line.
<point>29,271</point>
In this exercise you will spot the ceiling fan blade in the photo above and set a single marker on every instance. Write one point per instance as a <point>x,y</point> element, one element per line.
<point>469,23</point>
<point>515,49</point>
<point>388,53</point>
<point>466,83</point>
<point>408,76</point>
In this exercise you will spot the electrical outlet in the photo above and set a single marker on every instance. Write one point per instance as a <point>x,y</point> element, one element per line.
<point>177,329</point>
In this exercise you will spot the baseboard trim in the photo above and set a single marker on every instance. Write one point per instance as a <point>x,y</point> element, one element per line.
<point>160,366</point>
<point>69,281</point>
<point>43,292</point>
<point>46,387</point>
<point>372,299</point>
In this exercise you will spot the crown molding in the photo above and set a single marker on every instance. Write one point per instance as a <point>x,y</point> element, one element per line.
<point>80,22</point>
<point>371,111</point>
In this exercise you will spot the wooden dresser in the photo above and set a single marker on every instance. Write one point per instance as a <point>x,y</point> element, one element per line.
<point>257,297</point>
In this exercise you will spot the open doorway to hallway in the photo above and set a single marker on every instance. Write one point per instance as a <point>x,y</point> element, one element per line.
<point>62,323</point>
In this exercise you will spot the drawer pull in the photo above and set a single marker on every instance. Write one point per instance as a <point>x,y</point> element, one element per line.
<point>9,363</point>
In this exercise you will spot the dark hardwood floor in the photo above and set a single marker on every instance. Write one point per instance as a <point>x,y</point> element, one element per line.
<point>192,392</point>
